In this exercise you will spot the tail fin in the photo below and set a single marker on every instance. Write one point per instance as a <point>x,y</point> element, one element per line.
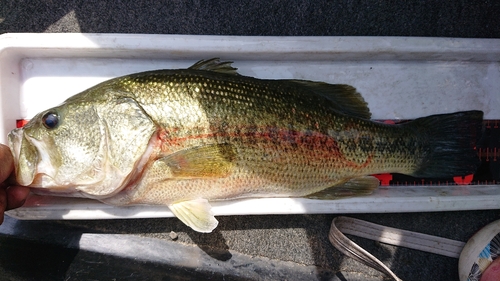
<point>452,140</point>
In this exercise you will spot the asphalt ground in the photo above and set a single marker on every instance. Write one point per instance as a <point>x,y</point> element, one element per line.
<point>291,244</point>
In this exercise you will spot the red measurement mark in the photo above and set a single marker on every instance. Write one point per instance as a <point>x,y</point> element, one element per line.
<point>488,124</point>
<point>463,180</point>
<point>488,153</point>
<point>21,122</point>
<point>384,179</point>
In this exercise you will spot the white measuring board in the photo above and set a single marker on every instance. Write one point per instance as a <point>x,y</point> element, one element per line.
<point>400,78</point>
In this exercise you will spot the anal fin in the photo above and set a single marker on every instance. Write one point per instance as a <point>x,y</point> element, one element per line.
<point>196,214</point>
<point>354,187</point>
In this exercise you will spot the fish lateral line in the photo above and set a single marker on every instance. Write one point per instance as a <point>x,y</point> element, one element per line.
<point>271,134</point>
<point>327,144</point>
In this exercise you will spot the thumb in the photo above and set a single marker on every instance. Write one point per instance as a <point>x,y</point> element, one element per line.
<point>6,162</point>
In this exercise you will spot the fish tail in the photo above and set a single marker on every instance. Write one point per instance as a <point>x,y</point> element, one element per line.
<point>450,143</point>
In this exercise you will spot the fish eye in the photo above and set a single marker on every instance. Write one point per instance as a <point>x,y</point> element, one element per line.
<point>50,120</point>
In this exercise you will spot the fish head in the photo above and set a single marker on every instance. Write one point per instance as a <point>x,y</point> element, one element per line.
<point>86,146</point>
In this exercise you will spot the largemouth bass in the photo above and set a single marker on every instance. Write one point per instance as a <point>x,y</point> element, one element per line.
<point>185,137</point>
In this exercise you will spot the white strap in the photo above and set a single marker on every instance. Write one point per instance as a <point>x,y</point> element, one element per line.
<point>388,235</point>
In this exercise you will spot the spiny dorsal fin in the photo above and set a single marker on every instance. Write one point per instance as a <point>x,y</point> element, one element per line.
<point>215,65</point>
<point>344,98</point>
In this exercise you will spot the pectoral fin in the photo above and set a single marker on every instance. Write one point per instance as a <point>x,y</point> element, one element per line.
<point>208,161</point>
<point>196,214</point>
<point>353,187</point>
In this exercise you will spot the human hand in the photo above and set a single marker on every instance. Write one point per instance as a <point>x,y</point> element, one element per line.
<point>10,196</point>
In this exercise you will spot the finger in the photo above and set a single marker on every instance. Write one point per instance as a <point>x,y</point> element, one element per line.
<point>3,203</point>
<point>6,162</point>
<point>16,196</point>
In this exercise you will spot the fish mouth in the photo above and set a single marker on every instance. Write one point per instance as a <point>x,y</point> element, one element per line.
<point>34,167</point>
<point>26,153</point>
<point>26,173</point>
<point>15,139</point>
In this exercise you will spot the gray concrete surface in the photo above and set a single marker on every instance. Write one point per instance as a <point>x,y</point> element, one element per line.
<point>49,250</point>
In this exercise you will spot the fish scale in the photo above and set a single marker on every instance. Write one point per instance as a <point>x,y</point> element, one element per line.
<point>245,129</point>
<point>274,114</point>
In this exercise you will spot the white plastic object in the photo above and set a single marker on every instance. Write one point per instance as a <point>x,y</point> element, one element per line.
<point>479,252</point>
<point>400,78</point>
<point>474,256</point>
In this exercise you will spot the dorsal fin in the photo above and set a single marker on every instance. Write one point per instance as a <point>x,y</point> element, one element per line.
<point>344,98</point>
<point>215,65</point>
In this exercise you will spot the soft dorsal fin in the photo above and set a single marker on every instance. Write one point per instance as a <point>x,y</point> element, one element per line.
<point>215,65</point>
<point>344,98</point>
